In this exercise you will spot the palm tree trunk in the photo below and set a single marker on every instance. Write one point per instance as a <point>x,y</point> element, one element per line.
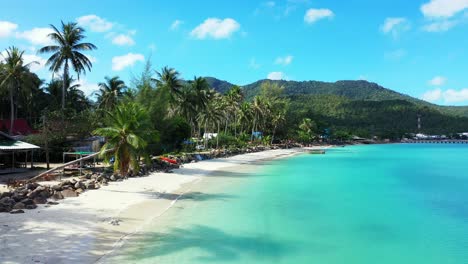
<point>253,127</point>
<point>273,135</point>
<point>235,124</point>
<point>12,111</point>
<point>226,126</point>
<point>64,84</point>
<point>217,138</point>
<point>205,139</point>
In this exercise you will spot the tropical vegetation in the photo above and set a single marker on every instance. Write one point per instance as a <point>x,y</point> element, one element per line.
<point>159,112</point>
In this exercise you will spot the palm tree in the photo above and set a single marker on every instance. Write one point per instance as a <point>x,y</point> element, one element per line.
<point>234,97</point>
<point>245,115</point>
<point>67,52</point>
<point>211,116</point>
<point>127,134</point>
<point>110,92</point>
<point>13,74</point>
<point>259,109</point>
<point>55,89</point>
<point>278,118</point>
<point>308,128</point>
<point>168,80</point>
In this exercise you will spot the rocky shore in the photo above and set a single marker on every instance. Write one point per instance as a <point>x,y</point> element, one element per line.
<point>29,195</point>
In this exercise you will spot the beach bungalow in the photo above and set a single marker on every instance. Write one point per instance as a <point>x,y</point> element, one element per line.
<point>15,154</point>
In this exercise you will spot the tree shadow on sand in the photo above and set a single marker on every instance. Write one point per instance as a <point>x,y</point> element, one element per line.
<point>214,245</point>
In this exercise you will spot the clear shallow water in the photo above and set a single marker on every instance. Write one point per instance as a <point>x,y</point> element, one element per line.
<point>360,204</point>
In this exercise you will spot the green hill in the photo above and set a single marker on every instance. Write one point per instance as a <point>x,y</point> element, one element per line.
<point>353,90</point>
<point>361,107</point>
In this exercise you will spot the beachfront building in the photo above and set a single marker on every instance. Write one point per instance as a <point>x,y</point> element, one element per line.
<point>15,154</point>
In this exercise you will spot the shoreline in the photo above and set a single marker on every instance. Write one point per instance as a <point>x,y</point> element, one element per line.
<point>89,227</point>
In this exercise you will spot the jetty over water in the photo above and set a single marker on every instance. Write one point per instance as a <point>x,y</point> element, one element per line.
<point>436,141</point>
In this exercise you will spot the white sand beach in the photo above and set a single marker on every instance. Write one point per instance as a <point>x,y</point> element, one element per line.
<point>85,228</point>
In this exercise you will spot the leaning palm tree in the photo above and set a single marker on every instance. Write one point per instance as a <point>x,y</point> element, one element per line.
<point>13,74</point>
<point>110,92</point>
<point>67,52</point>
<point>127,133</point>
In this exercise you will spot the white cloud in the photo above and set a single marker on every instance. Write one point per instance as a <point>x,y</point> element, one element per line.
<point>37,36</point>
<point>39,62</point>
<point>432,96</point>
<point>313,15</point>
<point>95,23</point>
<point>440,26</point>
<point>7,28</point>
<point>395,25</point>
<point>87,87</point>
<point>216,28</point>
<point>449,96</point>
<point>276,76</point>
<point>176,24</point>
<point>395,55</point>
<point>284,60</point>
<point>123,40</point>
<point>456,96</point>
<point>35,67</point>
<point>363,77</point>
<point>253,64</point>
<point>438,81</point>
<point>121,62</point>
<point>443,8</point>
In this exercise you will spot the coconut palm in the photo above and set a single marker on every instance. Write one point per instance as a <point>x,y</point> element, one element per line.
<point>168,79</point>
<point>127,133</point>
<point>210,117</point>
<point>67,52</point>
<point>110,92</point>
<point>13,75</point>
<point>259,108</point>
<point>278,118</point>
<point>234,98</point>
<point>308,128</point>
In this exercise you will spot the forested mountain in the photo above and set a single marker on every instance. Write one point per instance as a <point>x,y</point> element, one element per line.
<point>353,90</point>
<point>361,107</point>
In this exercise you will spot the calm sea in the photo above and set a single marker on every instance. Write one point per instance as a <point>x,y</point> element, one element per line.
<point>360,204</point>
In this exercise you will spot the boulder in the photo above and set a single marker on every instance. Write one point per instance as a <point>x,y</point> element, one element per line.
<point>77,185</point>
<point>17,197</point>
<point>31,206</point>
<point>40,200</point>
<point>90,185</point>
<point>7,201</point>
<point>58,195</point>
<point>5,194</point>
<point>57,187</point>
<point>4,209</point>
<point>69,193</point>
<point>19,205</point>
<point>79,191</point>
<point>27,201</point>
<point>17,212</point>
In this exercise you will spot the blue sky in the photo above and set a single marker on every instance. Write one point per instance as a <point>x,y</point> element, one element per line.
<point>416,47</point>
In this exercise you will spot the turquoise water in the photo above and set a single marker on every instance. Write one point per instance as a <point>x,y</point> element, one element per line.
<point>359,204</point>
